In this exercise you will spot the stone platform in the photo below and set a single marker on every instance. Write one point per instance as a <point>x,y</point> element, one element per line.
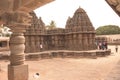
<point>67,54</point>
<point>60,54</point>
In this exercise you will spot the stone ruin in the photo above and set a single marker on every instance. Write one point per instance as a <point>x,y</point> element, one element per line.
<point>78,35</point>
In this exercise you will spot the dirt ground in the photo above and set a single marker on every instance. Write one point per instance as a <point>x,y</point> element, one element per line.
<point>68,68</point>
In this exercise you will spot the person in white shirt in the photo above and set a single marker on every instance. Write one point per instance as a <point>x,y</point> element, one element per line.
<point>41,47</point>
<point>36,76</point>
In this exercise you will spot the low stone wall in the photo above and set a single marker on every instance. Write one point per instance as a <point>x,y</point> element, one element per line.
<point>61,54</point>
<point>67,54</point>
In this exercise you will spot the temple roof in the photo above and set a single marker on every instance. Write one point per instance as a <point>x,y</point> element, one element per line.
<point>80,10</point>
<point>80,20</point>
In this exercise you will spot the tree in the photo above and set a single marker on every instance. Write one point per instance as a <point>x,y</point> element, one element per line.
<point>107,30</point>
<point>51,26</point>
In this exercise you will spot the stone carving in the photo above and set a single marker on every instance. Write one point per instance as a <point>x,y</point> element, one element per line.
<point>79,34</point>
<point>115,4</point>
<point>16,18</point>
<point>21,5</point>
<point>17,21</point>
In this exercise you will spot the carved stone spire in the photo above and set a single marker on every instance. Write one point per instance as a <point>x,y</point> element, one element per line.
<point>37,28</point>
<point>80,20</point>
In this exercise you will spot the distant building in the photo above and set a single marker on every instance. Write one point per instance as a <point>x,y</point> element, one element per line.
<point>111,39</point>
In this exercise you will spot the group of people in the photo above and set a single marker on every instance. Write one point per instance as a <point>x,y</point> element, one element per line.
<point>102,45</point>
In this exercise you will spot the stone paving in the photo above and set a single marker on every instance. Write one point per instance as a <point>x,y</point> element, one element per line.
<point>72,69</point>
<point>115,72</point>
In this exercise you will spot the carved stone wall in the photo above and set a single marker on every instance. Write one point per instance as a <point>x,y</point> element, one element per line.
<point>79,34</point>
<point>34,34</point>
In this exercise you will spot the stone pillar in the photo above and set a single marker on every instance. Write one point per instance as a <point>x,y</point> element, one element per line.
<point>17,22</point>
<point>80,44</point>
<point>27,44</point>
<point>71,42</point>
<point>74,42</point>
<point>37,43</point>
<point>17,70</point>
<point>86,42</point>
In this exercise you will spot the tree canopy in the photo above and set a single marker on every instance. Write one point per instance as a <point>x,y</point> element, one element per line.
<point>51,26</point>
<point>107,30</point>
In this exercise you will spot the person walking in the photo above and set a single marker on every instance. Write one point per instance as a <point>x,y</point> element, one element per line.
<point>116,48</point>
<point>41,47</point>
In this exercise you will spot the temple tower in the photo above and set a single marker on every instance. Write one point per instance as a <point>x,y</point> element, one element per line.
<point>34,34</point>
<point>81,31</point>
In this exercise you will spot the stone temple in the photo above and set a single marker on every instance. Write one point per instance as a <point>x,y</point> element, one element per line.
<point>15,15</point>
<point>78,35</point>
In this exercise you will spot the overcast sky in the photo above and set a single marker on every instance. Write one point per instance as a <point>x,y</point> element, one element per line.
<point>99,12</point>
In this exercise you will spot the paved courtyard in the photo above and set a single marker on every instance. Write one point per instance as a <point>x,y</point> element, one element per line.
<point>69,68</point>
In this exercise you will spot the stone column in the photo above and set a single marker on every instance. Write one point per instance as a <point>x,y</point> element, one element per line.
<point>85,42</point>
<point>37,44</point>
<point>33,49</point>
<point>80,43</point>
<point>17,22</point>
<point>27,44</point>
<point>17,70</point>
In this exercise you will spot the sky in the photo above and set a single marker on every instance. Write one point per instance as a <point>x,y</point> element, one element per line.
<point>99,12</point>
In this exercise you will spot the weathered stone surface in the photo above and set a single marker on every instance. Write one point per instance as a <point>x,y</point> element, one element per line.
<point>19,72</point>
<point>115,5</point>
<point>79,34</point>
<point>21,5</point>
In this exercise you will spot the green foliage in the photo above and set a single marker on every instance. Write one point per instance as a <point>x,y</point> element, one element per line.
<point>108,29</point>
<point>51,26</point>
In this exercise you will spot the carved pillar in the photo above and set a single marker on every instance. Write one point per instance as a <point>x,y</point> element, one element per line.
<point>37,44</point>
<point>74,41</point>
<point>80,41</point>
<point>71,41</point>
<point>85,42</point>
<point>93,40</point>
<point>27,44</point>
<point>17,70</point>
<point>17,47</point>
<point>33,44</point>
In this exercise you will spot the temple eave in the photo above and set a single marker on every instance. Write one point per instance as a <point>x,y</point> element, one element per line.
<point>113,7</point>
<point>18,5</point>
<point>34,5</point>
